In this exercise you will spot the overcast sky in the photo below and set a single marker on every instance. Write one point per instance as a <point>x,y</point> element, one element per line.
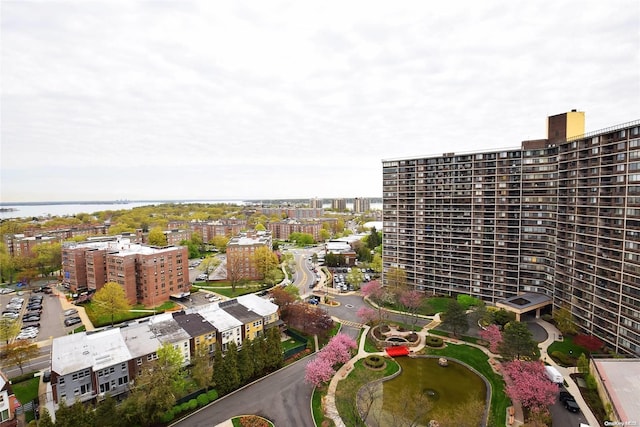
<point>276,99</point>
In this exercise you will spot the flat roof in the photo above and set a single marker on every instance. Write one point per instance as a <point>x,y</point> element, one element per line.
<point>621,380</point>
<point>525,302</point>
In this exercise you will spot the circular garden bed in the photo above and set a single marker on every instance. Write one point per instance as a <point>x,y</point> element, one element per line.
<point>374,362</point>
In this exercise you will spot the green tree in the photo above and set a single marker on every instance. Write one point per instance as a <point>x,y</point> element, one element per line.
<point>231,366</point>
<point>74,415</point>
<point>20,352</point>
<point>583,365</point>
<point>258,352</point>
<point>355,277</point>
<point>209,264</point>
<point>301,239</point>
<point>376,263</point>
<point>502,317</point>
<point>220,242</point>
<point>48,257</point>
<point>105,413</point>
<point>157,237</point>
<point>9,328</point>
<point>264,260</point>
<point>45,419</point>
<point>564,321</point>
<point>245,362</point>
<point>517,342</point>
<point>274,359</point>
<point>220,379</point>
<point>157,388</point>
<point>455,318</point>
<point>374,239</point>
<point>202,366</point>
<point>396,279</point>
<point>110,300</point>
<point>8,265</point>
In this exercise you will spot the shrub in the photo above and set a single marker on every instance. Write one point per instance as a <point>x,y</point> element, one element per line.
<point>202,399</point>
<point>563,359</point>
<point>547,317</point>
<point>433,341</point>
<point>184,407</point>
<point>192,404</point>
<point>589,342</point>
<point>374,362</point>
<point>168,416</point>
<point>212,395</point>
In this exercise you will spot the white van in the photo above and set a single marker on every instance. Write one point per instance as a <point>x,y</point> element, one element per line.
<point>553,374</point>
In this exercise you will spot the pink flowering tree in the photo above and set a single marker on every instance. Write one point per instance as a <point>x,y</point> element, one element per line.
<point>527,383</point>
<point>493,336</point>
<point>318,371</point>
<point>367,314</point>
<point>338,350</point>
<point>376,292</point>
<point>412,301</point>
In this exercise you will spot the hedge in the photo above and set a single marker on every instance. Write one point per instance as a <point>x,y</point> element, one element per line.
<point>433,341</point>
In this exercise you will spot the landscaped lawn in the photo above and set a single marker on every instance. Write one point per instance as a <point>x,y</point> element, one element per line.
<point>567,347</point>
<point>133,314</point>
<point>429,307</point>
<point>26,391</point>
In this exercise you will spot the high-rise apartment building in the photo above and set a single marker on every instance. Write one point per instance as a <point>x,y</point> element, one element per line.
<point>316,203</point>
<point>361,205</point>
<point>339,205</point>
<point>557,216</point>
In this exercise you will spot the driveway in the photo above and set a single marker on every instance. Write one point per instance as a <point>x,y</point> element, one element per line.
<point>282,397</point>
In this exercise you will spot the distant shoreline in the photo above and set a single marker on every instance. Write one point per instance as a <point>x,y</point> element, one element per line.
<point>5,205</point>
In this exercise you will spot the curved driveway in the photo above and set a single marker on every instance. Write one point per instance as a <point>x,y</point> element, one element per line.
<point>282,397</point>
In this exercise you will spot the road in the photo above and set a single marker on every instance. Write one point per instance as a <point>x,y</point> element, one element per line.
<point>281,397</point>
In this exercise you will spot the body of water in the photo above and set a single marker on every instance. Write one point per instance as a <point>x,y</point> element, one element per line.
<point>71,208</point>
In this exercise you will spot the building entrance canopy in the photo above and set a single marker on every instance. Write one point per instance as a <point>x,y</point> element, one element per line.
<point>524,303</point>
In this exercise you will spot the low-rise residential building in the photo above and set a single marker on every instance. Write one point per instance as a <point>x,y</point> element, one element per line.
<point>252,326</point>
<point>265,308</point>
<point>200,330</point>
<point>168,331</point>
<point>85,366</point>
<point>8,403</point>
<point>229,328</point>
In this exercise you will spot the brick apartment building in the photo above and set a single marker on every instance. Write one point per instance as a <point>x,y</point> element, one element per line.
<point>281,230</point>
<point>226,227</point>
<point>149,275</point>
<point>558,216</point>
<point>240,250</point>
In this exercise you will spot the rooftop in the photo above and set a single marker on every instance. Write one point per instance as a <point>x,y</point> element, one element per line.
<point>621,380</point>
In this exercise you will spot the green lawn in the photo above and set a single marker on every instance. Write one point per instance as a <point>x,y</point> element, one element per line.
<point>429,307</point>
<point>26,391</point>
<point>570,350</point>
<point>479,361</point>
<point>106,320</point>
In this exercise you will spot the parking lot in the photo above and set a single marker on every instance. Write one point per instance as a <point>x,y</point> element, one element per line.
<point>51,317</point>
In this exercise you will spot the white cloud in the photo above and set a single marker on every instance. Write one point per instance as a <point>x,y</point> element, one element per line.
<point>275,99</point>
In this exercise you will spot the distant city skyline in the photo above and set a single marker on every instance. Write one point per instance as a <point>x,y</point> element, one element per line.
<point>200,100</point>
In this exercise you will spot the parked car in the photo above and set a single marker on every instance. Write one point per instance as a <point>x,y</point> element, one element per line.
<point>69,321</point>
<point>31,318</point>
<point>31,325</point>
<point>46,376</point>
<point>11,315</point>
<point>4,291</point>
<point>34,307</point>
<point>571,405</point>
<point>70,311</point>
